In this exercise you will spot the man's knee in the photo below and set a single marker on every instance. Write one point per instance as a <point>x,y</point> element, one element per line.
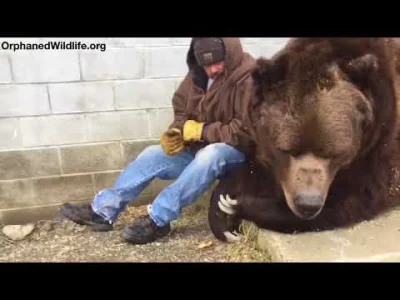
<point>220,153</point>
<point>151,151</point>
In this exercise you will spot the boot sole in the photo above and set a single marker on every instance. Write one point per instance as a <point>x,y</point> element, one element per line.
<point>93,226</point>
<point>131,240</point>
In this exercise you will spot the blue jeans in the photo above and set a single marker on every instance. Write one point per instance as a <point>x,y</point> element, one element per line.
<point>194,174</point>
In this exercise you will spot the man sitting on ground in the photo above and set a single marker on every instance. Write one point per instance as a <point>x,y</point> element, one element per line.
<point>206,140</point>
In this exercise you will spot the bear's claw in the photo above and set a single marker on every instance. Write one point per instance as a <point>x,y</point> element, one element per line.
<point>226,204</point>
<point>233,236</point>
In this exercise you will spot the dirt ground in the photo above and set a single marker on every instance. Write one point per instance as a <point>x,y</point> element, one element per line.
<point>190,241</point>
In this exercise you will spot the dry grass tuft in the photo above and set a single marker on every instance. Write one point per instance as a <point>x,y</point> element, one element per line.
<point>247,249</point>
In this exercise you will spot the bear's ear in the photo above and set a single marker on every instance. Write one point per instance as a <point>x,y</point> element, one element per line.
<point>361,67</point>
<point>268,71</point>
<point>261,69</point>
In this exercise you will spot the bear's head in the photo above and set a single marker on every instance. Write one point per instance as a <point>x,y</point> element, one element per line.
<point>324,107</point>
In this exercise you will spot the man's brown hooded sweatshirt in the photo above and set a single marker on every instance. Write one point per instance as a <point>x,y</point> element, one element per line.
<point>223,106</point>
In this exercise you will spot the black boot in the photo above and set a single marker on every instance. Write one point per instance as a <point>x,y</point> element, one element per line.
<point>84,215</point>
<point>144,231</point>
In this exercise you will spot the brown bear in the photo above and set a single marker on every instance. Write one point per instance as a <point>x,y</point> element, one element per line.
<point>324,118</point>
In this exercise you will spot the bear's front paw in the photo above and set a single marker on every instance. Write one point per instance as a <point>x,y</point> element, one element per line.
<point>228,206</point>
<point>224,217</point>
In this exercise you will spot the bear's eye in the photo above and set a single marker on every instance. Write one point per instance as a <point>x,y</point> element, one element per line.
<point>285,151</point>
<point>291,152</point>
<point>331,153</point>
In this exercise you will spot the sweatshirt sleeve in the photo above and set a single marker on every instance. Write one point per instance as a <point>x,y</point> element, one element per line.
<point>178,104</point>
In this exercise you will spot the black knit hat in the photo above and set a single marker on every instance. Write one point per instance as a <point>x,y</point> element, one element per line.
<point>208,50</point>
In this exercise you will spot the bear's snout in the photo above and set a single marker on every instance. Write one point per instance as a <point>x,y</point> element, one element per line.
<point>308,205</point>
<point>306,184</point>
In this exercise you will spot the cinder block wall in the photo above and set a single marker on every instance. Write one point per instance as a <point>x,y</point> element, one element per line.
<point>71,120</point>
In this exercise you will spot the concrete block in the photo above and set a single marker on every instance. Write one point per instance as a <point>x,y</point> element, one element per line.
<point>45,66</point>
<point>138,42</point>
<point>105,180</point>
<point>112,64</point>
<point>374,241</point>
<point>29,163</point>
<point>131,149</point>
<point>117,125</point>
<point>81,97</point>
<point>23,215</point>
<point>53,130</point>
<point>252,40</point>
<point>160,119</point>
<point>277,41</point>
<point>273,40</point>
<point>105,126</point>
<point>146,93</point>
<point>10,134</point>
<point>166,62</point>
<point>59,189</point>
<point>23,100</point>
<point>134,125</point>
<point>91,158</point>
<point>5,69</point>
<point>181,41</point>
<point>15,193</point>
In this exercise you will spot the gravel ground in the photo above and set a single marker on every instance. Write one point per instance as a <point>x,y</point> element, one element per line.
<point>190,241</point>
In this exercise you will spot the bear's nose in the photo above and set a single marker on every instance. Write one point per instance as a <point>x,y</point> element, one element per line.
<point>308,205</point>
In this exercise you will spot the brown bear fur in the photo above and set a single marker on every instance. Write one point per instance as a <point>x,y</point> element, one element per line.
<point>330,104</point>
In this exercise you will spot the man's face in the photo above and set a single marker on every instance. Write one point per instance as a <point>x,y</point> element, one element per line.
<point>214,70</point>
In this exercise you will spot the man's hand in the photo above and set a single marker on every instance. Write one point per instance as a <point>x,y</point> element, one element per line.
<point>192,130</point>
<point>172,142</point>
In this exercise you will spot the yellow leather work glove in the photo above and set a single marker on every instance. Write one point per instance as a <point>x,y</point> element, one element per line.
<point>171,141</point>
<point>192,130</point>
